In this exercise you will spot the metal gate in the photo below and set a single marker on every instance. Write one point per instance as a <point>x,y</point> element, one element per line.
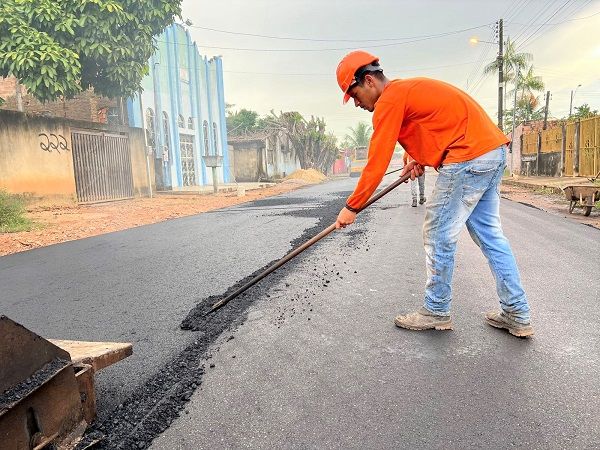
<point>186,145</point>
<point>102,163</point>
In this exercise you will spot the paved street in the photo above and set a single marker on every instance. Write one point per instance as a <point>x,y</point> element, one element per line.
<point>311,358</point>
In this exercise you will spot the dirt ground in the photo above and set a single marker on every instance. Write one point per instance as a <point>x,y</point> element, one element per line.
<point>61,223</point>
<point>550,202</point>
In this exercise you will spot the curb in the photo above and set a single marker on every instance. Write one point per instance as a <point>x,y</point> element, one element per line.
<point>525,184</point>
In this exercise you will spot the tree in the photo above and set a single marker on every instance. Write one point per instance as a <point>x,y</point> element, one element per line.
<point>242,122</point>
<point>359,136</point>
<point>526,111</point>
<point>528,85</point>
<point>58,48</point>
<point>513,62</point>
<point>312,145</point>
<point>584,111</point>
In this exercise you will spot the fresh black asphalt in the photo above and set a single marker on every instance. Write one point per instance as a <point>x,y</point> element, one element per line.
<point>309,358</point>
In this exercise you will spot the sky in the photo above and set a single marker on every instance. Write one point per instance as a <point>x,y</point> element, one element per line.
<point>291,65</point>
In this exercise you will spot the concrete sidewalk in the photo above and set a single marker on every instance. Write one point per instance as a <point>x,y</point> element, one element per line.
<point>208,189</point>
<point>556,184</point>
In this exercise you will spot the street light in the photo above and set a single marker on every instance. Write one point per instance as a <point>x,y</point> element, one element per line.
<point>572,97</point>
<point>475,40</point>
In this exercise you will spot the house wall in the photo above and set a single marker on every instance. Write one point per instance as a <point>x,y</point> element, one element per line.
<point>248,161</point>
<point>280,158</point>
<point>515,158</point>
<point>85,106</point>
<point>28,165</point>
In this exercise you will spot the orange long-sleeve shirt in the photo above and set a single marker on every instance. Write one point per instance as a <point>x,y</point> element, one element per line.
<point>434,122</point>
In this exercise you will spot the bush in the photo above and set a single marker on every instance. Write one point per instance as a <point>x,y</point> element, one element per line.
<point>12,218</point>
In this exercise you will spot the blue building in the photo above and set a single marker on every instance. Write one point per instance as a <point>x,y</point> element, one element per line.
<point>182,109</point>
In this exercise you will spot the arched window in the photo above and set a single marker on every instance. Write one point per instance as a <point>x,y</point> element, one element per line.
<point>206,138</point>
<point>180,121</point>
<point>167,134</point>
<point>215,139</point>
<point>150,128</point>
<point>190,123</point>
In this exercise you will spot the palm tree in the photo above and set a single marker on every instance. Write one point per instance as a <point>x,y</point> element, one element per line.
<point>359,136</point>
<point>513,62</point>
<point>528,84</point>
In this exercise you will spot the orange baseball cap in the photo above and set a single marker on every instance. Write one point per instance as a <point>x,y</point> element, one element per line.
<point>348,66</point>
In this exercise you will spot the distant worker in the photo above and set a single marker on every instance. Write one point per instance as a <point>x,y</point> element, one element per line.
<point>439,126</point>
<point>420,181</point>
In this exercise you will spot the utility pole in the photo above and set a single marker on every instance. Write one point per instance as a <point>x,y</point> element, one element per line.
<point>514,120</point>
<point>571,104</point>
<point>546,110</point>
<point>500,73</point>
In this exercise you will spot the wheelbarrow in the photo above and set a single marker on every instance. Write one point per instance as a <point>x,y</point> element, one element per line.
<point>584,196</point>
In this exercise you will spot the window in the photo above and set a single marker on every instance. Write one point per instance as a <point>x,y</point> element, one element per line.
<point>190,123</point>
<point>215,138</point>
<point>180,121</point>
<point>206,138</point>
<point>167,134</point>
<point>150,128</point>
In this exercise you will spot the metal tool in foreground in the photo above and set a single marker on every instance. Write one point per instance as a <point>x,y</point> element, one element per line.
<point>303,247</point>
<point>47,393</point>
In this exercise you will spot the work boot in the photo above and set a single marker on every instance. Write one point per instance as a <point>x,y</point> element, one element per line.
<point>422,200</point>
<point>414,204</point>
<point>423,320</point>
<point>500,319</point>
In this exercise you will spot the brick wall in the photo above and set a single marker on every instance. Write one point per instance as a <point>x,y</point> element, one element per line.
<point>85,106</point>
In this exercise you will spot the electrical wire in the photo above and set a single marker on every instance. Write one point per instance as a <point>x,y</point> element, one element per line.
<point>531,35</point>
<point>287,38</point>
<point>409,41</point>
<point>531,41</point>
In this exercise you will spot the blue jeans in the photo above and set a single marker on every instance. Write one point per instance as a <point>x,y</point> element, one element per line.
<point>468,193</point>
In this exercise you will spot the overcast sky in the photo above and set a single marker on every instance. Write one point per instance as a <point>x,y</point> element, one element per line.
<point>296,69</point>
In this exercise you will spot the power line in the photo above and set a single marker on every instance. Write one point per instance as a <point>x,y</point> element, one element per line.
<point>548,29</point>
<point>563,21</point>
<point>416,69</point>
<point>287,38</point>
<point>525,29</point>
<point>528,38</point>
<point>478,66</point>
<point>418,39</point>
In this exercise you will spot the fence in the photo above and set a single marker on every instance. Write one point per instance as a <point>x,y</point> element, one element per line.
<point>102,164</point>
<point>571,150</point>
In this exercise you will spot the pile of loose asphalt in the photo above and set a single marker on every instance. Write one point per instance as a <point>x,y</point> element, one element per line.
<point>156,404</point>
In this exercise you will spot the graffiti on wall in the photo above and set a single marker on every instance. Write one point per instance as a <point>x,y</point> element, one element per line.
<point>53,142</point>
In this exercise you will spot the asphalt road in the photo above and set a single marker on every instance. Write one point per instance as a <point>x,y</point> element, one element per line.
<point>311,358</point>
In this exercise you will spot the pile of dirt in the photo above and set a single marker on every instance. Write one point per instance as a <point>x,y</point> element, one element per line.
<point>306,175</point>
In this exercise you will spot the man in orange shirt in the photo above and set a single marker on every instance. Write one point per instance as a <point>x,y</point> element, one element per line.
<point>440,126</point>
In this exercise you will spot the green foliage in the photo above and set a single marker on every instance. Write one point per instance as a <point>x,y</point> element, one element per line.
<point>584,111</point>
<point>312,145</point>
<point>359,136</point>
<point>12,212</point>
<point>527,85</point>
<point>58,48</point>
<point>525,112</point>
<point>513,62</point>
<point>242,122</point>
